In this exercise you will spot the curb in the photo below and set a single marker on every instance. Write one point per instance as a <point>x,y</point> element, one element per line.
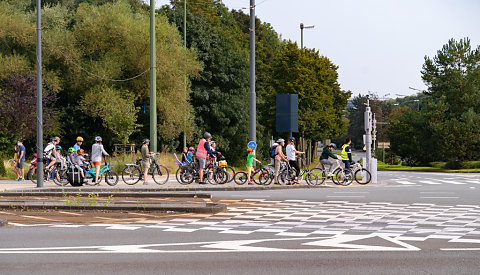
<point>104,193</point>
<point>211,208</point>
<point>167,189</point>
<point>3,223</point>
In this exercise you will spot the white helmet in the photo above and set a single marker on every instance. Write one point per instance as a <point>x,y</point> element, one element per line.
<point>280,140</point>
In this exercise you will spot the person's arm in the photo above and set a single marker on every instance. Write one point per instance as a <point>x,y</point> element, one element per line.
<point>349,152</point>
<point>331,154</point>
<point>103,151</point>
<point>21,155</point>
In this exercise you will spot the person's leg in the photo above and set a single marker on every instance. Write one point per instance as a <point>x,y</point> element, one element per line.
<point>16,169</point>
<point>277,170</point>
<point>347,166</point>
<point>295,165</point>
<point>21,170</point>
<point>97,170</point>
<point>249,173</point>
<point>52,162</point>
<point>146,167</point>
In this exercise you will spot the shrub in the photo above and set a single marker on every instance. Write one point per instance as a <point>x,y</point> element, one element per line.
<point>453,164</point>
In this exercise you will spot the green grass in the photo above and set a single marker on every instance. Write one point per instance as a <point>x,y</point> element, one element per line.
<point>434,166</point>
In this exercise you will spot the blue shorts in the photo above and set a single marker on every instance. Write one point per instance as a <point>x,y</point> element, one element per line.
<point>20,164</point>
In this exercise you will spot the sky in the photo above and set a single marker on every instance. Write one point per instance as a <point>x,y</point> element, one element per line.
<point>378,45</point>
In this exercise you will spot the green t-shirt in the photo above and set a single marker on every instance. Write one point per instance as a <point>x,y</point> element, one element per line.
<point>250,160</point>
<point>145,152</point>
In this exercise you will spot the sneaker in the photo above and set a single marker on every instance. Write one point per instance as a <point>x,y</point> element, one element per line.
<point>21,179</point>
<point>202,182</point>
<point>277,183</point>
<point>250,183</point>
<point>145,183</point>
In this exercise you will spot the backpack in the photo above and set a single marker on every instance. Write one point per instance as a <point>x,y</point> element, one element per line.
<point>271,151</point>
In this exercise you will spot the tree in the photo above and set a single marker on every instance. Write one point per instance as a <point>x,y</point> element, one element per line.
<point>448,125</point>
<point>315,79</point>
<point>18,99</point>
<point>220,94</point>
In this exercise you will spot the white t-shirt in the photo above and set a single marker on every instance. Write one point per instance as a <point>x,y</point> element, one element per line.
<point>290,152</point>
<point>49,150</point>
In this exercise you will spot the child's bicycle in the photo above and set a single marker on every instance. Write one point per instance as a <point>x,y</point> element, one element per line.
<point>111,177</point>
<point>241,177</point>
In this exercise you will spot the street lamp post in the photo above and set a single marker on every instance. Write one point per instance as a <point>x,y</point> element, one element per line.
<point>153,80</point>
<point>39,97</point>
<point>302,26</point>
<point>252,95</point>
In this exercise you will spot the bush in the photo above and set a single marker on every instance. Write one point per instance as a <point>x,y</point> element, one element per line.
<point>3,171</point>
<point>470,164</point>
<point>453,164</point>
<point>390,157</point>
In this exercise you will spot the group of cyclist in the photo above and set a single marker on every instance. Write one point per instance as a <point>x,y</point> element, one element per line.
<point>76,155</point>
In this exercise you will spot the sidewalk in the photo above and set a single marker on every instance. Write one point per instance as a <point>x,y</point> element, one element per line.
<point>171,185</point>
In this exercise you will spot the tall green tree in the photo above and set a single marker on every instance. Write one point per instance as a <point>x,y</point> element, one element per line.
<point>449,123</point>
<point>220,94</point>
<point>315,79</point>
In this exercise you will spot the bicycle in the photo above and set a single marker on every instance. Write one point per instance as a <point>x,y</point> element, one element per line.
<point>214,173</point>
<point>132,173</point>
<point>268,176</point>
<point>111,177</point>
<point>241,177</point>
<point>360,174</point>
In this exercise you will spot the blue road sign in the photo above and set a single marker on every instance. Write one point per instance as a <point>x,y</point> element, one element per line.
<point>252,145</point>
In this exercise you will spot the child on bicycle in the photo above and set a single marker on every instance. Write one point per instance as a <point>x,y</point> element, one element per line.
<point>81,160</point>
<point>250,159</point>
<point>73,161</point>
<point>190,154</point>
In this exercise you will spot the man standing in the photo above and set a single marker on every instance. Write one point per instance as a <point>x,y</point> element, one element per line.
<point>278,158</point>
<point>146,159</point>
<point>326,153</point>
<point>203,150</point>
<point>20,160</point>
<point>292,157</point>
<point>347,155</point>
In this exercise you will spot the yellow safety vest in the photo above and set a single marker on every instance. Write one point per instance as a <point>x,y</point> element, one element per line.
<point>344,153</point>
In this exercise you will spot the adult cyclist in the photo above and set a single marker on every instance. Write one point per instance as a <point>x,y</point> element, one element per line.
<point>292,157</point>
<point>203,150</point>
<point>50,151</point>
<point>326,153</point>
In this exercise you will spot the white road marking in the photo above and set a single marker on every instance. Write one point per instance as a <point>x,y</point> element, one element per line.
<point>439,197</point>
<point>406,182</point>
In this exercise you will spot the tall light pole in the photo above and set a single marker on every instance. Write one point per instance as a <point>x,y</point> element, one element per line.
<point>252,95</point>
<point>185,45</point>
<point>153,80</point>
<point>301,32</point>
<point>39,97</point>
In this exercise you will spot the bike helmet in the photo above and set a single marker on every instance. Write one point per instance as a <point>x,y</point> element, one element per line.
<point>291,139</point>
<point>71,150</point>
<point>280,140</point>
<point>98,138</point>
<point>79,139</point>
<point>207,135</point>
<point>80,152</point>
<point>191,149</point>
<point>145,140</point>
<point>333,145</point>
<point>53,139</point>
<point>249,150</point>
<point>59,147</point>
<point>212,142</point>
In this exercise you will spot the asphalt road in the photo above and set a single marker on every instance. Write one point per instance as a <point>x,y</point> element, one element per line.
<point>409,223</point>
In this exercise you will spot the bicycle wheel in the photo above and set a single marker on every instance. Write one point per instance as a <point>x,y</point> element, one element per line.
<point>131,174</point>
<point>362,176</point>
<point>334,177</point>
<point>111,177</point>
<point>240,177</point>
<point>32,175</point>
<point>220,176</point>
<point>160,174</point>
<point>185,175</point>
<point>316,176</point>
<point>230,173</point>
<point>344,178</point>
<point>256,176</point>
<point>60,177</point>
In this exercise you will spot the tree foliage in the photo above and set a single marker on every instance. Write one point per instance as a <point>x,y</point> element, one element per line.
<point>449,120</point>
